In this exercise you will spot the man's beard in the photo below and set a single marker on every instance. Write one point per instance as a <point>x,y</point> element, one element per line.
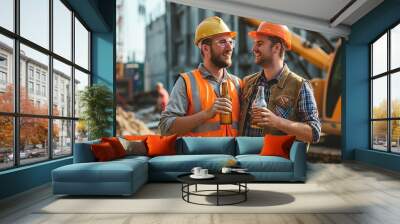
<point>218,61</point>
<point>263,60</point>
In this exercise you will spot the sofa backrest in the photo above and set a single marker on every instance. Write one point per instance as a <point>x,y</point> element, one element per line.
<point>83,153</point>
<point>206,145</point>
<point>191,146</point>
<point>249,145</point>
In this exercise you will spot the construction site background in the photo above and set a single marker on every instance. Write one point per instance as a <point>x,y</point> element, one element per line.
<point>169,50</point>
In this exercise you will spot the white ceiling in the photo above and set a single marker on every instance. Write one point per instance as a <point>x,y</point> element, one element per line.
<point>318,15</point>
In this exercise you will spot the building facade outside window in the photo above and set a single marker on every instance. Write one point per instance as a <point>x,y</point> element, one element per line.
<point>30,72</point>
<point>37,75</point>
<point>30,87</point>
<point>385,95</point>
<point>3,72</point>
<point>45,131</point>
<point>44,91</point>
<point>37,89</point>
<point>3,78</point>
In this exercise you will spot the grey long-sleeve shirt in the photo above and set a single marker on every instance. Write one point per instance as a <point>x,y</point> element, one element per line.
<point>178,102</point>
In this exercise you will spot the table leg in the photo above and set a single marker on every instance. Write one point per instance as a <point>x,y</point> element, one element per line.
<point>182,190</point>
<point>217,194</point>
<point>188,189</point>
<point>245,191</point>
<point>196,188</point>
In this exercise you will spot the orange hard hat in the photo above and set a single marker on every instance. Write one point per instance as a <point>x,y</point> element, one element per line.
<point>273,29</point>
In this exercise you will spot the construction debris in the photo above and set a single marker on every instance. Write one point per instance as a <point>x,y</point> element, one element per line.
<point>324,154</point>
<point>128,124</point>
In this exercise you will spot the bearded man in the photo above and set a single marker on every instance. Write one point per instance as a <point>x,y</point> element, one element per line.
<point>291,108</point>
<point>195,99</point>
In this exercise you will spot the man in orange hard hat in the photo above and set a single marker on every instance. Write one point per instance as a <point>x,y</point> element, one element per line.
<point>195,100</point>
<point>291,107</point>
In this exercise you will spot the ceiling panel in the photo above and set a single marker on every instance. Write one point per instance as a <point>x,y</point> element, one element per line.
<point>320,9</point>
<point>315,15</point>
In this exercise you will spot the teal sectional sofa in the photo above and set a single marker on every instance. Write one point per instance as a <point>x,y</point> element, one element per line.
<point>125,176</point>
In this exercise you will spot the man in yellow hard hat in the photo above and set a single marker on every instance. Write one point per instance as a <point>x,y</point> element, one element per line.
<point>291,108</point>
<point>195,100</point>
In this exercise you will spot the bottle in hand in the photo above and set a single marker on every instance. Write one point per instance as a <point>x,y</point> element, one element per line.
<point>225,118</point>
<point>259,102</point>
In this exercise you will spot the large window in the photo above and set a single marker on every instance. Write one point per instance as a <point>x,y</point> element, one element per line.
<point>44,64</point>
<point>7,14</point>
<point>385,94</point>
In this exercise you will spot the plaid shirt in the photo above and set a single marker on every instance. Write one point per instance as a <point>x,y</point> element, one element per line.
<point>307,108</point>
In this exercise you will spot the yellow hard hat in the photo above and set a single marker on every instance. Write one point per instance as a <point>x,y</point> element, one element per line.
<point>211,26</point>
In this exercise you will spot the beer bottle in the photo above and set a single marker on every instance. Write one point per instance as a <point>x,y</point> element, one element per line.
<point>225,118</point>
<point>259,102</point>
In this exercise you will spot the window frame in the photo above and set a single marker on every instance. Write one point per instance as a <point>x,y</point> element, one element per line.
<point>3,74</point>
<point>388,74</point>
<point>16,114</point>
<point>3,71</point>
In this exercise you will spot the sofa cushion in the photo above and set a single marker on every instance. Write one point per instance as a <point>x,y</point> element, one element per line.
<point>116,145</point>
<point>161,145</point>
<point>134,147</point>
<point>103,151</point>
<point>277,145</point>
<point>249,145</point>
<point>185,163</point>
<point>112,171</point>
<point>130,158</point>
<point>118,177</point>
<point>257,163</point>
<point>83,152</point>
<point>93,172</point>
<point>207,145</point>
<point>136,137</point>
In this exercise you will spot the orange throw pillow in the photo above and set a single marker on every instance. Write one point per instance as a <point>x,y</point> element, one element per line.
<point>103,152</point>
<point>136,137</point>
<point>116,145</point>
<point>277,145</point>
<point>161,145</point>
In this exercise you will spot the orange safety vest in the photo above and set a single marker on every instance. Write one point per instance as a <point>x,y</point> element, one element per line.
<point>201,95</point>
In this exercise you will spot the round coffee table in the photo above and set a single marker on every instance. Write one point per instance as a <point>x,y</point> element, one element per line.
<point>238,179</point>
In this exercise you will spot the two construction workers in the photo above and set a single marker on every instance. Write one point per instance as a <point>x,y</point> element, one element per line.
<point>196,101</point>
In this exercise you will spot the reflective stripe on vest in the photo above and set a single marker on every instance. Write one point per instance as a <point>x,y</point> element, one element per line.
<point>201,95</point>
<point>195,93</point>
<point>237,84</point>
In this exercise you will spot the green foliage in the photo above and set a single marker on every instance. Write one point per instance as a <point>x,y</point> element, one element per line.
<point>97,106</point>
<point>380,111</point>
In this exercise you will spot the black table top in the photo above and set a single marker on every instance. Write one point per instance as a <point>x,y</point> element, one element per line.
<point>220,178</point>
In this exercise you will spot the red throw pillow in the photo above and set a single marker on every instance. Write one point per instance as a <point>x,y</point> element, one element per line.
<point>275,145</point>
<point>116,145</point>
<point>161,145</point>
<point>103,151</point>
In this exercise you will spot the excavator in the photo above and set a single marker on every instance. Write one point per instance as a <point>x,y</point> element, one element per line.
<point>327,91</point>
